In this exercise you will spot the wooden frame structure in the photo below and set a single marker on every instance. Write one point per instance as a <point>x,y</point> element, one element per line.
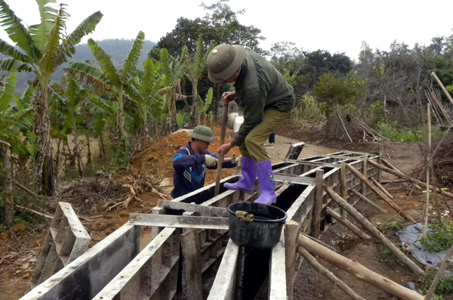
<point>190,255</point>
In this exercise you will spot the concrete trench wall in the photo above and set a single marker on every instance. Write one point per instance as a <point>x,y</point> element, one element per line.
<point>204,263</point>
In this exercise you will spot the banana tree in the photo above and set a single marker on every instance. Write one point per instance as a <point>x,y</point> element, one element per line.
<point>174,70</point>
<point>43,47</point>
<point>117,81</point>
<point>196,67</point>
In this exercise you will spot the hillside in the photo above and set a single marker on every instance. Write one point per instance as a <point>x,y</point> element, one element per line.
<point>118,50</point>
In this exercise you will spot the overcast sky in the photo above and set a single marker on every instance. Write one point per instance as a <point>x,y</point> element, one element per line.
<point>332,25</point>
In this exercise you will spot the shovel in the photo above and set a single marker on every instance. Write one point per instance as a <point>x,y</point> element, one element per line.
<point>222,141</point>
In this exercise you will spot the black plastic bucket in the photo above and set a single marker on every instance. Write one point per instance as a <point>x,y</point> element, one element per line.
<point>263,231</point>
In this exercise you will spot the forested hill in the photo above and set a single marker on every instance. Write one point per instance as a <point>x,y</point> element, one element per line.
<point>118,49</point>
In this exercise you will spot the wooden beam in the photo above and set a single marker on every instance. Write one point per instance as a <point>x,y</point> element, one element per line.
<point>367,224</point>
<point>192,271</point>
<point>203,210</point>
<point>329,275</point>
<point>379,193</point>
<point>374,205</point>
<point>194,222</point>
<point>290,231</point>
<point>382,188</point>
<point>358,270</point>
<point>317,204</point>
<point>410,179</point>
<point>347,224</point>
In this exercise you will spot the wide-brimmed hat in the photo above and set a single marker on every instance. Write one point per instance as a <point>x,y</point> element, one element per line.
<point>223,61</point>
<point>203,133</point>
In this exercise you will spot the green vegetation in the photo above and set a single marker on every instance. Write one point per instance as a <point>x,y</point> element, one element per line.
<point>125,95</point>
<point>385,255</point>
<point>390,226</point>
<point>445,285</point>
<point>441,239</point>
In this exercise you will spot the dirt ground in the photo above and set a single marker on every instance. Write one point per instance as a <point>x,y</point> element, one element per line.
<point>105,205</point>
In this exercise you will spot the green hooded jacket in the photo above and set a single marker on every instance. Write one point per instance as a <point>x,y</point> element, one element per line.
<point>259,87</point>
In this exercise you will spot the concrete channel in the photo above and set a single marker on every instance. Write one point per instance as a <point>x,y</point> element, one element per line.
<point>184,261</point>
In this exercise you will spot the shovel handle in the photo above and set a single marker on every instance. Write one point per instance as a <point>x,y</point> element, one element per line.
<point>222,141</point>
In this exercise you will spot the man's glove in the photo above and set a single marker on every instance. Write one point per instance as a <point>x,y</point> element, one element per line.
<point>210,161</point>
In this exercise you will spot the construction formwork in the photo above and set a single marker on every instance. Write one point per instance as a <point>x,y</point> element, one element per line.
<point>179,253</point>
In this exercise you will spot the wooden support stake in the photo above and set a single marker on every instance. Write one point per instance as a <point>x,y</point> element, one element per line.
<point>382,188</point>
<point>380,194</point>
<point>317,204</point>
<point>343,186</point>
<point>370,202</point>
<point>192,271</point>
<point>365,174</point>
<point>291,229</point>
<point>411,179</point>
<point>367,224</point>
<point>329,275</point>
<point>358,270</point>
<point>347,224</point>
<point>442,87</point>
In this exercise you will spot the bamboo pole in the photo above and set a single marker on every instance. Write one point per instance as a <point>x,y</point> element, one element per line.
<point>428,161</point>
<point>358,270</point>
<point>410,179</point>
<point>347,224</point>
<point>374,205</point>
<point>439,274</point>
<point>442,87</point>
<point>382,188</point>
<point>367,225</point>
<point>329,275</point>
<point>379,193</point>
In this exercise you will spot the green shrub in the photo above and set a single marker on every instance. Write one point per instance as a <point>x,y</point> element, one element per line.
<point>441,239</point>
<point>445,285</point>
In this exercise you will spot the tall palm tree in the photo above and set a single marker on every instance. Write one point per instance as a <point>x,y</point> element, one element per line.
<point>40,49</point>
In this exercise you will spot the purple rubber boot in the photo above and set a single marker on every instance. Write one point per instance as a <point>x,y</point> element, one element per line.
<point>267,184</point>
<point>248,177</point>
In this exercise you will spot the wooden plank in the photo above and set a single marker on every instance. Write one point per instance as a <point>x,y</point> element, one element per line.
<point>192,279</point>
<point>290,230</point>
<point>123,278</point>
<point>225,284</point>
<point>194,222</point>
<point>204,210</point>
<point>277,276</point>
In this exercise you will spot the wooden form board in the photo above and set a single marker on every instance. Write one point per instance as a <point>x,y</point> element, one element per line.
<point>66,240</point>
<point>135,275</point>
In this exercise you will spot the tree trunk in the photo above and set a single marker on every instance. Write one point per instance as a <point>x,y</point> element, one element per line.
<point>42,131</point>
<point>9,204</point>
<point>78,154</point>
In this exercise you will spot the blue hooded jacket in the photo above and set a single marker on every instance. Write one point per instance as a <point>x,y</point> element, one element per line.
<point>190,170</point>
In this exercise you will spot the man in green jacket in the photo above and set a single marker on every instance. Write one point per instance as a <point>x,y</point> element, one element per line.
<point>266,99</point>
